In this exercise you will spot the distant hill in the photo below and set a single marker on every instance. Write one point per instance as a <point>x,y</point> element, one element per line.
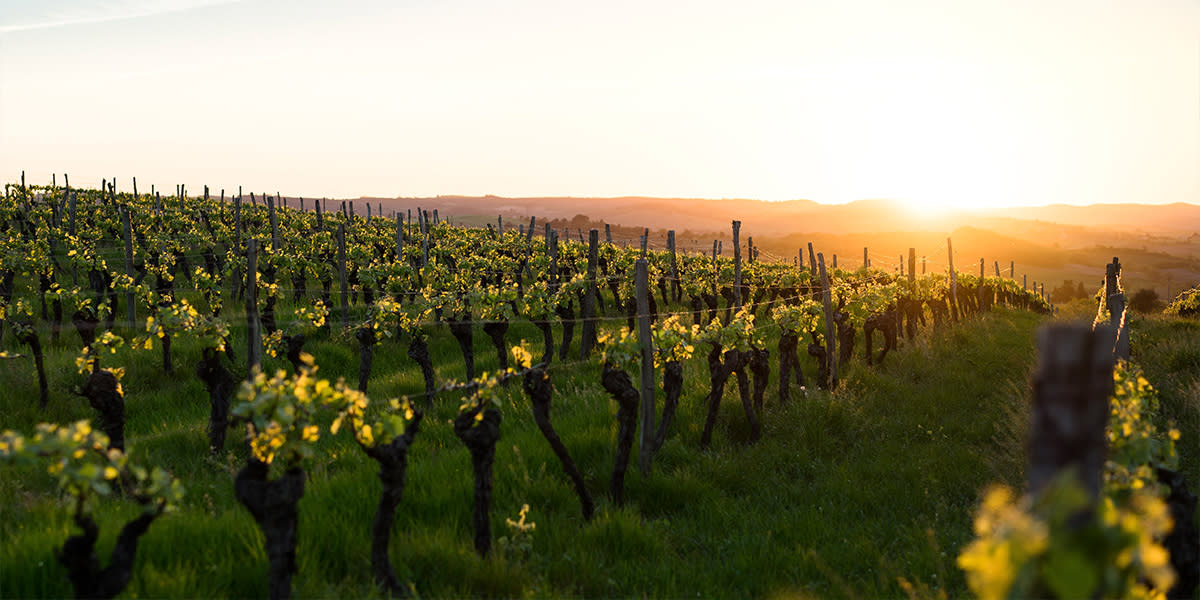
<point>792,216</point>
<point>1159,244</point>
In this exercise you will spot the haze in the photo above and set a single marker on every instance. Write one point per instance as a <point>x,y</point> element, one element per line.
<point>932,103</point>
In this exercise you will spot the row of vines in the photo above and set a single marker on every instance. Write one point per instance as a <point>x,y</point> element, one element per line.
<point>252,282</point>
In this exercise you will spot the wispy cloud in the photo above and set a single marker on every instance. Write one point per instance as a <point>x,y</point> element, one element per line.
<point>30,15</point>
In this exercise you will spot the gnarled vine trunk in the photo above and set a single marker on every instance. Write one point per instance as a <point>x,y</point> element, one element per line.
<point>496,330</point>
<point>219,383</point>
<point>536,384</point>
<point>672,388</point>
<point>418,351</point>
<point>393,469</point>
<point>480,439</point>
<point>102,392</point>
<point>719,371</point>
<point>462,331</point>
<point>273,504</point>
<point>618,385</point>
<point>789,365</point>
<point>366,355</point>
<point>78,555</point>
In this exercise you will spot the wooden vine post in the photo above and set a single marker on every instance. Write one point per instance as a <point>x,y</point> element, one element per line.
<point>642,287</point>
<point>812,260</point>
<point>1070,405</point>
<point>953,281</point>
<point>866,259</point>
<point>737,267</point>
<point>587,338</point>
<point>399,238</point>
<point>716,270</point>
<point>912,268</point>
<point>1116,308</point>
<point>254,349</point>
<point>131,311</point>
<point>676,288</point>
<point>274,224</point>
<point>830,338</point>
<point>344,290</point>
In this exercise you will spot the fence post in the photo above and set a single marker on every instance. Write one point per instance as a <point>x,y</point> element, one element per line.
<point>344,292</point>
<point>253,333</point>
<point>676,288</point>
<point>953,281</point>
<point>399,238</point>
<point>587,337</point>
<point>830,338</point>
<point>1070,405</point>
<point>912,268</point>
<point>866,259</point>
<point>130,309</point>
<point>274,224</point>
<point>642,287</point>
<point>1115,302</point>
<point>737,267</point>
<point>716,271</point>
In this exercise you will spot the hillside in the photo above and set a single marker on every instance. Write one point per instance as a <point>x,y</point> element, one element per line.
<point>1048,244</point>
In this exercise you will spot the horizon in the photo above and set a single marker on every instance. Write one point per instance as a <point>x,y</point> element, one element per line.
<point>938,106</point>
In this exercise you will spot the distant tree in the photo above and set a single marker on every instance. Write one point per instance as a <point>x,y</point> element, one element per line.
<point>1064,293</point>
<point>1146,300</point>
<point>1080,292</point>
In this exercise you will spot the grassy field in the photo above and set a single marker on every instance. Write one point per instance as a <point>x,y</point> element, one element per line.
<point>844,494</point>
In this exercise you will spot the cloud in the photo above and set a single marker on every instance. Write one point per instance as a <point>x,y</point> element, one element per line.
<point>31,15</point>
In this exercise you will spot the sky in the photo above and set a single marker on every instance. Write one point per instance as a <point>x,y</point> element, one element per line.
<point>935,103</point>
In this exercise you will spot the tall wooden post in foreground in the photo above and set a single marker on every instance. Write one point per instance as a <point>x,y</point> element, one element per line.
<point>1070,405</point>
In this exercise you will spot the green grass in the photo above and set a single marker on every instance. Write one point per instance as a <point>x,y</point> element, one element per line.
<point>843,495</point>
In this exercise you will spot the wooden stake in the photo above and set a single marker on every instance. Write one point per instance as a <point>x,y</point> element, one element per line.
<point>131,311</point>
<point>953,281</point>
<point>642,287</point>
<point>1070,405</point>
<point>737,267</point>
<point>344,292</point>
<point>254,349</point>
<point>830,338</point>
<point>587,338</point>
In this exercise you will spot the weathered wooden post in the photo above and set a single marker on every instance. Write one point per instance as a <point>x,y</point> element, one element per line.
<point>1070,405</point>
<point>737,267</point>
<point>254,349</point>
<point>953,281</point>
<point>830,338</point>
<point>344,290</point>
<point>642,287</point>
<point>587,337</point>
<point>866,259</point>
<point>131,311</point>
<point>676,288</point>
<point>912,268</point>
<point>274,224</point>
<point>1115,302</point>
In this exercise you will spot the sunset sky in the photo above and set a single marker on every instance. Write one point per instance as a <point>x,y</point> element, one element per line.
<point>931,102</point>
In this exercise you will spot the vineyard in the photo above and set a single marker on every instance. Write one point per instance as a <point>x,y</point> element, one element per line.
<point>232,396</point>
